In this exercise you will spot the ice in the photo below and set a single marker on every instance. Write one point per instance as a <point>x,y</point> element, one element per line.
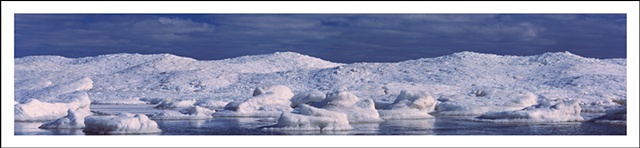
<point>197,111</point>
<point>554,111</point>
<point>409,105</point>
<point>73,119</point>
<point>124,123</point>
<point>48,102</point>
<point>308,97</point>
<point>266,101</point>
<point>52,93</point>
<point>311,118</point>
<point>461,83</point>
<point>151,100</point>
<point>32,84</point>
<point>128,101</point>
<point>482,100</point>
<point>211,103</point>
<point>616,115</point>
<point>357,110</point>
<point>169,103</point>
<point>36,110</point>
<point>191,113</point>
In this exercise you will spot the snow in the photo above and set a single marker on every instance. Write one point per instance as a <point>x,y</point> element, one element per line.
<point>47,102</point>
<point>36,110</point>
<point>32,84</point>
<point>73,119</point>
<point>124,123</point>
<point>311,118</point>
<point>481,100</point>
<point>357,110</point>
<point>169,103</point>
<point>556,111</point>
<point>128,101</point>
<point>308,97</point>
<point>266,101</point>
<point>616,115</point>
<point>211,103</point>
<point>409,105</point>
<point>191,113</point>
<point>462,84</point>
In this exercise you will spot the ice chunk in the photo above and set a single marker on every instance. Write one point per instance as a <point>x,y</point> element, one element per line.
<point>280,90</point>
<point>358,111</point>
<point>36,110</point>
<point>51,102</point>
<point>552,111</point>
<point>420,100</point>
<point>307,97</point>
<point>483,100</point>
<point>74,119</point>
<point>619,101</point>
<point>269,101</point>
<point>194,112</point>
<point>311,118</point>
<point>152,100</point>
<point>124,123</point>
<point>169,103</point>
<point>127,101</point>
<point>617,115</point>
<point>211,103</point>
<point>197,111</point>
<point>409,105</point>
<point>400,114</point>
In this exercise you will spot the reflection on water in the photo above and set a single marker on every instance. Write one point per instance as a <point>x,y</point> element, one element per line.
<point>409,127</point>
<point>358,129</point>
<point>31,128</point>
<point>195,123</point>
<point>434,126</point>
<point>466,126</point>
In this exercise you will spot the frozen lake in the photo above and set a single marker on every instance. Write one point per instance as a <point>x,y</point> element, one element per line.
<point>436,126</point>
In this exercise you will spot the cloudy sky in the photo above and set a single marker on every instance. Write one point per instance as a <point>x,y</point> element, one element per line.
<point>335,37</point>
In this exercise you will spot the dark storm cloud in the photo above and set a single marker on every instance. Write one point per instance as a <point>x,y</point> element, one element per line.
<point>334,37</point>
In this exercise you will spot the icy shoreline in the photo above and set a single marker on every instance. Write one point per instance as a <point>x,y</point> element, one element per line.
<point>551,87</point>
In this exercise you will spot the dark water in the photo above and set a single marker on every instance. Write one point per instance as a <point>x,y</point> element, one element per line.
<point>436,126</point>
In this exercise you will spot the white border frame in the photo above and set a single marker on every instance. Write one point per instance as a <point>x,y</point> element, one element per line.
<point>11,8</point>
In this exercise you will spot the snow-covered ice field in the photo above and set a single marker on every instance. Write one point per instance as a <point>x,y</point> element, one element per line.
<point>291,93</point>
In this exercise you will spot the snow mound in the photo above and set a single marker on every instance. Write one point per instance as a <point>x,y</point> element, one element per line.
<point>123,123</point>
<point>555,111</point>
<point>74,119</point>
<point>308,97</point>
<point>357,110</point>
<point>36,110</point>
<point>266,101</point>
<point>409,105</point>
<point>311,118</point>
<point>191,113</point>
<point>279,61</point>
<point>211,103</point>
<point>169,103</point>
<point>482,100</point>
<point>613,116</point>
